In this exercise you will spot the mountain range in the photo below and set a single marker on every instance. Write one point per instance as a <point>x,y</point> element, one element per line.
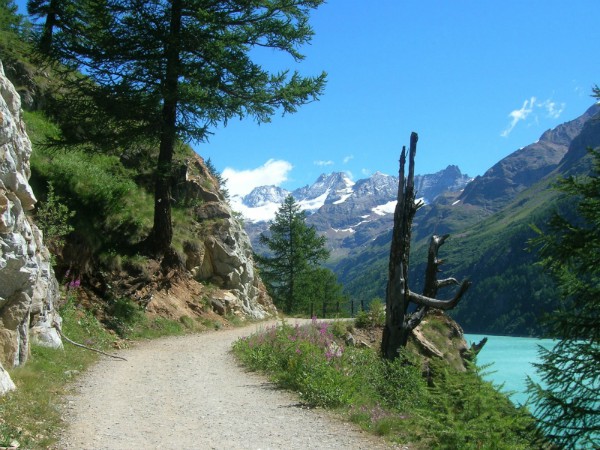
<point>489,219</point>
<point>489,223</point>
<point>350,214</point>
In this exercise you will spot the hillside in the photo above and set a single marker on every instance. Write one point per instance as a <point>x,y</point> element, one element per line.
<point>490,226</point>
<point>94,204</point>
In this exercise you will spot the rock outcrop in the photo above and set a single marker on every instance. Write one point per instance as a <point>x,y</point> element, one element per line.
<point>28,287</point>
<point>222,253</point>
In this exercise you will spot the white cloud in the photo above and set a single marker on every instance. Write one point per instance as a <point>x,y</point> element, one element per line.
<point>241,182</point>
<point>518,115</point>
<point>348,158</point>
<point>366,172</point>
<point>554,110</point>
<point>323,163</point>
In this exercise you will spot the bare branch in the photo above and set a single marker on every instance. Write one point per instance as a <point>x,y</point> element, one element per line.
<point>440,304</point>
<point>447,282</point>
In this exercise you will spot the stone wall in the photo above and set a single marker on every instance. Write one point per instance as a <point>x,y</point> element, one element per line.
<point>28,287</point>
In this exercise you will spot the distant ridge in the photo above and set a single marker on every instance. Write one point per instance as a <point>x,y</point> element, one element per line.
<point>489,223</point>
<point>524,167</point>
<point>349,213</point>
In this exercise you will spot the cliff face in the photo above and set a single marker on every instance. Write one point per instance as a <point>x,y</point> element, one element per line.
<point>221,253</point>
<point>28,287</point>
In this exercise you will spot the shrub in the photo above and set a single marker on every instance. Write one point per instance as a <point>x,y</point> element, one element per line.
<point>375,317</point>
<point>53,218</point>
<point>123,313</point>
<point>388,398</point>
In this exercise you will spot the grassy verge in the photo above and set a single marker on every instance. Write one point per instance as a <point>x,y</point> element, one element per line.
<point>31,414</point>
<point>454,410</point>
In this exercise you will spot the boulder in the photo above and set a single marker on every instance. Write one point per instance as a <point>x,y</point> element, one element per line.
<point>6,384</point>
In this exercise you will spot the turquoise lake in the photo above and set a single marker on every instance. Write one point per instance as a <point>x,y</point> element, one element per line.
<point>511,359</point>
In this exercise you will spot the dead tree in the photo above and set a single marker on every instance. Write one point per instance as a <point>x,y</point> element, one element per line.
<point>398,322</point>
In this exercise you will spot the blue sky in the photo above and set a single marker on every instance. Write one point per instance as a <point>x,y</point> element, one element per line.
<point>476,79</point>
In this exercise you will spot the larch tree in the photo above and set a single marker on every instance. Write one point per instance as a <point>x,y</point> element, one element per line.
<point>173,69</point>
<point>567,402</point>
<point>321,293</point>
<point>296,252</point>
<point>52,14</point>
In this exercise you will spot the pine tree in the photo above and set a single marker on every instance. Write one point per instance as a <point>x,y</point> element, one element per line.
<point>567,403</point>
<point>171,70</point>
<point>10,20</point>
<point>54,14</point>
<point>296,253</point>
<point>320,292</point>
<point>12,30</point>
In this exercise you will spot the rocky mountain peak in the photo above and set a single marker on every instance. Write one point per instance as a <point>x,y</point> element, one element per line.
<point>349,213</point>
<point>525,166</point>
<point>328,188</point>
<point>262,195</point>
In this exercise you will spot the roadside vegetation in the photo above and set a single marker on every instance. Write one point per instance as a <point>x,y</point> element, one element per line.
<point>447,410</point>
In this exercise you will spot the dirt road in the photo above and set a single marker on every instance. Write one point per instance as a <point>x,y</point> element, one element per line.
<point>189,393</point>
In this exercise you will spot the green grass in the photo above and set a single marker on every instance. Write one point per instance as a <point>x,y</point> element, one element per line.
<point>459,409</point>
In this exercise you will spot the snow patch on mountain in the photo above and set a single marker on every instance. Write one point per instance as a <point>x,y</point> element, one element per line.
<point>343,198</point>
<point>386,208</point>
<point>337,194</point>
<point>313,204</point>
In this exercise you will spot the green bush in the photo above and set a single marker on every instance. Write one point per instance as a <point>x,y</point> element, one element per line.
<point>53,218</point>
<point>123,314</point>
<point>375,317</point>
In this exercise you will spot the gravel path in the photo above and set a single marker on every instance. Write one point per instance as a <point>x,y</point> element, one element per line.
<point>189,393</point>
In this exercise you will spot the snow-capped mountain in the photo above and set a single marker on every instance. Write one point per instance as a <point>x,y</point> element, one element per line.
<point>349,213</point>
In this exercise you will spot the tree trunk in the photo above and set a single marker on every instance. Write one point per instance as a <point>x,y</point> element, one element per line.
<point>399,324</point>
<point>162,231</point>
<point>397,293</point>
<point>48,30</point>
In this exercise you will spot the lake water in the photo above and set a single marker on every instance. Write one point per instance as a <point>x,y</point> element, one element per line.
<point>511,359</point>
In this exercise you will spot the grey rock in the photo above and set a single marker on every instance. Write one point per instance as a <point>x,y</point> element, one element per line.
<point>29,290</point>
<point>6,383</point>
<point>222,253</point>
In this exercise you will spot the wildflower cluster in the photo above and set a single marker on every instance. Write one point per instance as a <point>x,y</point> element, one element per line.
<point>73,281</point>
<point>305,358</point>
<point>389,398</point>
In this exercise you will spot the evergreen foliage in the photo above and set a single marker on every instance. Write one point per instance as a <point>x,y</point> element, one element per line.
<point>292,273</point>
<point>10,20</point>
<point>568,402</point>
<point>12,30</point>
<point>166,71</point>
<point>215,173</point>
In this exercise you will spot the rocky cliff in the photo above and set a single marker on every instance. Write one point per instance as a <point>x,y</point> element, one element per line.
<point>216,275</point>
<point>28,287</point>
<point>221,253</point>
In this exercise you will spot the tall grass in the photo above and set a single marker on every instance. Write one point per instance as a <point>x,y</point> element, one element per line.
<point>455,410</point>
